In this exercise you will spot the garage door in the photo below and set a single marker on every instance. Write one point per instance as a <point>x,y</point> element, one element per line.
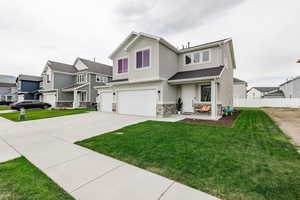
<point>106,100</point>
<point>138,102</point>
<point>49,98</point>
<point>21,97</point>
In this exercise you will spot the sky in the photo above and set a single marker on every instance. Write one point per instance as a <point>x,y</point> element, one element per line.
<point>265,33</point>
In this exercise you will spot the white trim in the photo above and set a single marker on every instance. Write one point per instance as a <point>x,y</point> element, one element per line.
<point>201,58</point>
<point>136,89</point>
<point>117,68</point>
<point>122,43</point>
<point>180,81</point>
<point>64,72</point>
<point>82,74</point>
<point>137,81</point>
<point>150,53</point>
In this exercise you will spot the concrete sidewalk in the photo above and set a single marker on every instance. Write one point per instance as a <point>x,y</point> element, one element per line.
<point>83,173</point>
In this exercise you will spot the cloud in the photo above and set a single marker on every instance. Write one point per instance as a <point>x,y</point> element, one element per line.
<point>170,16</point>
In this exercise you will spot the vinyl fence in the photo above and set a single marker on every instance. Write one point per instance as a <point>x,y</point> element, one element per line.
<point>276,102</point>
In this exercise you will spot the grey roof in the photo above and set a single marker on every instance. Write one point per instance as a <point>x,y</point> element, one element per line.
<point>97,67</point>
<point>7,85</point>
<point>76,85</point>
<point>24,77</point>
<point>277,93</point>
<point>61,67</point>
<point>236,80</point>
<point>119,80</point>
<point>7,78</point>
<point>215,71</point>
<point>266,89</point>
<point>202,45</point>
<point>290,80</point>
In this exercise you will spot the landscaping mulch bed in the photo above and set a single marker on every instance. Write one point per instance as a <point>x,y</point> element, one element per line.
<point>224,121</point>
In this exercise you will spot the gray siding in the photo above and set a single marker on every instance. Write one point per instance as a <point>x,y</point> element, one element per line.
<point>291,89</point>
<point>61,81</point>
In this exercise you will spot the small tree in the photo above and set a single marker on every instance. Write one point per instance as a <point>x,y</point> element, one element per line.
<point>179,104</point>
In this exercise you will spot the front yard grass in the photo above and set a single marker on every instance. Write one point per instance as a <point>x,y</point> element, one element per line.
<point>42,114</point>
<point>19,179</point>
<point>252,160</point>
<point>4,108</point>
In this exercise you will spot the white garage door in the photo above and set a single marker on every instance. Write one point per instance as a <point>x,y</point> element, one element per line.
<point>49,98</point>
<point>138,102</point>
<point>106,100</point>
<point>21,97</point>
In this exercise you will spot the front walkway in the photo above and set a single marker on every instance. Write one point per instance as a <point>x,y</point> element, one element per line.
<point>83,173</point>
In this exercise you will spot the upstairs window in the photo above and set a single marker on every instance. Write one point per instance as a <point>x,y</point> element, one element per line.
<point>81,78</point>
<point>197,57</point>
<point>123,65</point>
<point>143,58</point>
<point>101,79</point>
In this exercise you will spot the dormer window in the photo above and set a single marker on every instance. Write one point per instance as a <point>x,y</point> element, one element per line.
<point>143,58</point>
<point>123,65</point>
<point>81,78</point>
<point>199,57</point>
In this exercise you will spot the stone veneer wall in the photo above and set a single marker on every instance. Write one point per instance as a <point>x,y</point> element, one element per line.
<point>114,107</point>
<point>164,110</point>
<point>62,104</point>
<point>85,104</point>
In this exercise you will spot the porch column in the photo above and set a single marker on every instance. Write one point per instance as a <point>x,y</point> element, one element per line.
<point>214,109</point>
<point>75,99</point>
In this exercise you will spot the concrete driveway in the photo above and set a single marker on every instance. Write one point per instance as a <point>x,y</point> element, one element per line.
<point>288,119</point>
<point>48,144</point>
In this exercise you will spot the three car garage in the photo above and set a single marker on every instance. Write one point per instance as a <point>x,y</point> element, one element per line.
<point>131,102</point>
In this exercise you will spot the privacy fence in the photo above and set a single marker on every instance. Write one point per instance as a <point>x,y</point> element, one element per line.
<point>276,102</point>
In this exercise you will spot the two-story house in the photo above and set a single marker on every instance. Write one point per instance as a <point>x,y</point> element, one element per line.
<point>72,86</point>
<point>150,74</point>
<point>260,92</point>
<point>7,93</point>
<point>28,87</point>
<point>291,88</point>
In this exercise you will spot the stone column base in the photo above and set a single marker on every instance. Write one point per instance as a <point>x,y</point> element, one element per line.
<point>165,110</point>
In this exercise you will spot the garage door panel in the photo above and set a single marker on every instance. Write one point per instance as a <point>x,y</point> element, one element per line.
<point>106,100</point>
<point>49,98</point>
<point>139,102</point>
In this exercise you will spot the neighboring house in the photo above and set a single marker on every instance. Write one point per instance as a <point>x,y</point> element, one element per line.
<point>239,89</point>
<point>7,79</point>
<point>8,92</point>
<point>291,88</point>
<point>67,85</point>
<point>150,74</point>
<point>259,92</point>
<point>274,94</point>
<point>28,87</point>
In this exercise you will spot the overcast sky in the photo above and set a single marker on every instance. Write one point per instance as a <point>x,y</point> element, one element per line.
<point>265,33</point>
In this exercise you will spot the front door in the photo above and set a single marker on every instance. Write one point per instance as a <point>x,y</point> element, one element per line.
<point>188,93</point>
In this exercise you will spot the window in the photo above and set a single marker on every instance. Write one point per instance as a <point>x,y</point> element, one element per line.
<point>102,79</point>
<point>197,57</point>
<point>81,78</point>
<point>123,65</point>
<point>205,93</point>
<point>143,58</point>
<point>83,97</point>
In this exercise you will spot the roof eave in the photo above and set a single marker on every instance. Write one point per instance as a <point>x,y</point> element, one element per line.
<point>192,80</point>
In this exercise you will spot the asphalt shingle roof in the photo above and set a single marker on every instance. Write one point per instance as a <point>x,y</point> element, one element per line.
<point>24,77</point>
<point>277,93</point>
<point>236,80</point>
<point>61,67</point>
<point>97,67</point>
<point>215,71</point>
<point>7,85</point>
<point>266,89</point>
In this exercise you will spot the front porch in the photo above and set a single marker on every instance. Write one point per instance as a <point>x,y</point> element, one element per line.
<point>200,99</point>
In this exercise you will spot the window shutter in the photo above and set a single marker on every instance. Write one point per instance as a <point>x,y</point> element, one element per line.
<point>139,59</point>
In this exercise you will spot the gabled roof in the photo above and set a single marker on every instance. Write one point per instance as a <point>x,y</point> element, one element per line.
<point>208,72</point>
<point>23,77</point>
<point>265,89</point>
<point>239,81</point>
<point>61,67</point>
<point>136,36</point>
<point>96,67</point>
<point>10,85</point>
<point>290,80</point>
<point>277,93</point>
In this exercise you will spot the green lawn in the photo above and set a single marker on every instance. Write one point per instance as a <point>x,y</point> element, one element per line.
<point>19,179</point>
<point>251,160</point>
<point>42,114</point>
<point>4,108</point>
